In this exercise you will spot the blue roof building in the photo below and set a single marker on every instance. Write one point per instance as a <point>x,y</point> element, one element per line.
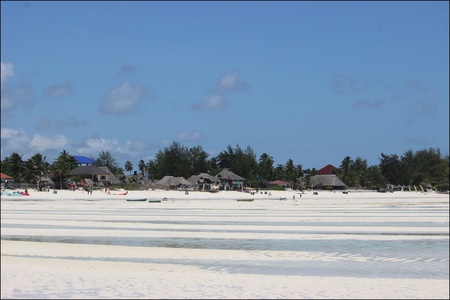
<point>83,160</point>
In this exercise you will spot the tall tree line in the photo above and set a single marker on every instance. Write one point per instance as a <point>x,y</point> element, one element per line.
<point>423,167</point>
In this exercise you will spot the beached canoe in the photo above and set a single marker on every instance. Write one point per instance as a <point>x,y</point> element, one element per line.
<point>245,199</point>
<point>154,201</point>
<point>138,199</point>
<point>118,194</point>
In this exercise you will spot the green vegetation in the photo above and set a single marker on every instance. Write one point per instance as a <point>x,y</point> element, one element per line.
<point>425,167</point>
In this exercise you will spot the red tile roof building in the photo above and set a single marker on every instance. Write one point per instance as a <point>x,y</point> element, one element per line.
<point>327,170</point>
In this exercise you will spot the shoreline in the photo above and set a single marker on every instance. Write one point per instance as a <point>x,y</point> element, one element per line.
<point>291,195</point>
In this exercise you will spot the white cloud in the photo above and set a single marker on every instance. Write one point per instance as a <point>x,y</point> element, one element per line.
<point>124,99</point>
<point>42,143</point>
<point>216,98</point>
<point>13,140</point>
<point>212,102</point>
<point>230,82</point>
<point>60,89</point>
<point>8,133</point>
<point>97,145</point>
<point>13,96</point>
<point>7,71</point>
<point>189,136</point>
<point>17,140</point>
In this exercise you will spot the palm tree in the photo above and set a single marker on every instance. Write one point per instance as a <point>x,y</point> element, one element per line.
<point>291,173</point>
<point>142,167</point>
<point>280,172</point>
<point>15,166</point>
<point>345,170</point>
<point>266,166</point>
<point>150,167</point>
<point>37,167</point>
<point>299,174</point>
<point>128,166</point>
<point>63,165</point>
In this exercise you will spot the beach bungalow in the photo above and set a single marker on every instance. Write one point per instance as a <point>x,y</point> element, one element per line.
<point>45,183</point>
<point>229,180</point>
<point>5,180</point>
<point>203,181</point>
<point>283,184</point>
<point>96,174</point>
<point>83,160</point>
<point>171,182</point>
<point>328,182</point>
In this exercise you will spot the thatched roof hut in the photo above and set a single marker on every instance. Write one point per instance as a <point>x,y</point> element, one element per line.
<point>331,181</point>
<point>203,181</point>
<point>173,182</point>
<point>96,174</point>
<point>230,180</point>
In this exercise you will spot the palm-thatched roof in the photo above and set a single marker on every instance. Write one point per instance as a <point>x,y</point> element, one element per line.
<point>88,170</point>
<point>327,180</point>
<point>202,178</point>
<point>229,175</point>
<point>173,181</point>
<point>111,177</point>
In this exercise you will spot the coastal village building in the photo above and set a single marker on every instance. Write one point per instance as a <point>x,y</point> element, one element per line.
<point>327,170</point>
<point>204,182</point>
<point>229,180</point>
<point>5,180</point>
<point>86,170</point>
<point>327,181</point>
<point>171,182</point>
<point>283,184</point>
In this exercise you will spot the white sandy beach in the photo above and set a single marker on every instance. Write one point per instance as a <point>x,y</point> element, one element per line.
<point>208,245</point>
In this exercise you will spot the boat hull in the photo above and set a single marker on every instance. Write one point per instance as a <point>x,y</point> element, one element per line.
<point>141,199</point>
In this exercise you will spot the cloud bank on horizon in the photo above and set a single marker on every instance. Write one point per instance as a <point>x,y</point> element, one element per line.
<point>291,92</point>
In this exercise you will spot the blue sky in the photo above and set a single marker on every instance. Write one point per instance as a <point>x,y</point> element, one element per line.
<point>307,81</point>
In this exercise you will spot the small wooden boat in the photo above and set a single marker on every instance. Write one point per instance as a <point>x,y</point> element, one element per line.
<point>245,199</point>
<point>137,199</point>
<point>154,201</point>
<point>118,194</point>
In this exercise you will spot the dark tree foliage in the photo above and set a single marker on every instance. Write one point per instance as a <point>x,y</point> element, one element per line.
<point>199,160</point>
<point>391,168</point>
<point>265,171</point>
<point>13,165</point>
<point>62,166</point>
<point>106,159</point>
<point>36,167</point>
<point>179,161</point>
<point>242,162</point>
<point>424,167</point>
<point>356,173</point>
